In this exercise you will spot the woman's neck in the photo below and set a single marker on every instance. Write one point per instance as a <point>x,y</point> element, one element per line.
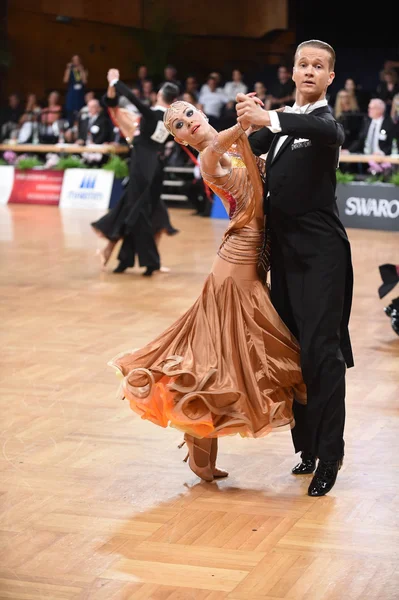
<point>211,135</point>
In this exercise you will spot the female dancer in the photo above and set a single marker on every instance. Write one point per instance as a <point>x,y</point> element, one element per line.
<point>229,364</point>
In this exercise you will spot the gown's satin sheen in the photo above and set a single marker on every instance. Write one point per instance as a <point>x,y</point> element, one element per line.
<point>229,364</point>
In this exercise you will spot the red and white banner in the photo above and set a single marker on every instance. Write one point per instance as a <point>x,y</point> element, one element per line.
<point>36,187</point>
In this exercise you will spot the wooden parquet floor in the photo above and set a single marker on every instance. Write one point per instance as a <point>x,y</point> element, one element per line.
<point>96,504</point>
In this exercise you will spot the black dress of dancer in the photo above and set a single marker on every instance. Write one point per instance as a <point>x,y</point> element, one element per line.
<point>140,212</point>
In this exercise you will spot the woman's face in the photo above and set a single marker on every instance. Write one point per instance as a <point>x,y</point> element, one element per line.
<point>76,60</point>
<point>31,99</point>
<point>344,99</point>
<point>350,85</point>
<point>187,123</point>
<point>53,98</point>
<point>259,89</point>
<point>388,77</point>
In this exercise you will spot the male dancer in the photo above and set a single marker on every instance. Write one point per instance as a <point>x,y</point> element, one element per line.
<point>133,217</point>
<point>311,270</point>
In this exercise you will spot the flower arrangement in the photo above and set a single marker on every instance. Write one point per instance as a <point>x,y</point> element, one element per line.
<point>10,157</point>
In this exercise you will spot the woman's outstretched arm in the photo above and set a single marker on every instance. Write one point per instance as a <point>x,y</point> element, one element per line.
<point>210,158</point>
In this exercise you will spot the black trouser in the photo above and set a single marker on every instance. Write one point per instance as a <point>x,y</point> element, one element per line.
<point>139,240</point>
<point>308,279</point>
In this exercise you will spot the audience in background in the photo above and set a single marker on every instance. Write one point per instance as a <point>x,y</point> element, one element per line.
<point>10,117</point>
<point>147,92</point>
<point>94,128</point>
<point>170,76</point>
<point>388,88</point>
<point>235,86</point>
<point>214,98</point>
<point>49,116</point>
<point>377,133</point>
<point>75,76</point>
<point>142,76</point>
<point>282,92</point>
<point>261,92</point>
<point>191,86</point>
<point>28,130</point>
<point>346,111</point>
<point>213,101</point>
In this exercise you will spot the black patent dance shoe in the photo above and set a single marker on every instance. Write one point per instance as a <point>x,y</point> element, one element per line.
<point>324,478</point>
<point>149,271</point>
<point>306,466</point>
<point>121,268</point>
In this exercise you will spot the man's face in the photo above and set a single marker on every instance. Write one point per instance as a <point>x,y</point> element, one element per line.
<point>170,73</point>
<point>13,101</point>
<point>375,109</point>
<point>312,73</point>
<point>94,107</point>
<point>283,74</point>
<point>142,72</point>
<point>191,83</point>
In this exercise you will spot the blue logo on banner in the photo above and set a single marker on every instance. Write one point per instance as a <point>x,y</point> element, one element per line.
<point>88,182</point>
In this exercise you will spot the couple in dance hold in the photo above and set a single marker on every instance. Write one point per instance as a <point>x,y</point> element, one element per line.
<point>245,360</point>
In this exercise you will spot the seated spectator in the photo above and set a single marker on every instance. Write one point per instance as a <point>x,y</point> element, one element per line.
<point>189,97</point>
<point>10,116</point>
<point>346,111</point>
<point>191,86</point>
<point>395,109</point>
<point>213,103</point>
<point>95,129</point>
<point>85,109</point>
<point>29,121</point>
<point>170,76</point>
<point>260,90</point>
<point>377,133</point>
<point>360,96</point>
<point>205,86</point>
<point>142,76</point>
<point>388,88</point>
<point>147,92</point>
<point>282,93</point>
<point>48,129</point>
<point>235,86</point>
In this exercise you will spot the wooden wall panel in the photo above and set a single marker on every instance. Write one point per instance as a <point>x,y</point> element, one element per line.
<point>207,17</point>
<point>40,49</point>
<point>116,12</point>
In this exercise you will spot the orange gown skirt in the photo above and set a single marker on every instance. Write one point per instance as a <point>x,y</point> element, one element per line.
<point>229,365</point>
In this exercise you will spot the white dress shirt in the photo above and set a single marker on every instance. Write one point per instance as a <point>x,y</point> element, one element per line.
<point>232,88</point>
<point>371,145</point>
<point>275,126</point>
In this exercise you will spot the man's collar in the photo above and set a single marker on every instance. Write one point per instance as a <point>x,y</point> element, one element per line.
<point>307,108</point>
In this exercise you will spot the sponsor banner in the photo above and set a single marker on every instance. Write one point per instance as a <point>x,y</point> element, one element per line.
<point>6,183</point>
<point>86,188</point>
<point>36,187</point>
<point>369,206</point>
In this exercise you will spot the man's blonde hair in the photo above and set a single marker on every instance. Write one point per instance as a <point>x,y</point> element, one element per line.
<point>322,46</point>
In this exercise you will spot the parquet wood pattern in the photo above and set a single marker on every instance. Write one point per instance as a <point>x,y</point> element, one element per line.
<point>96,504</point>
